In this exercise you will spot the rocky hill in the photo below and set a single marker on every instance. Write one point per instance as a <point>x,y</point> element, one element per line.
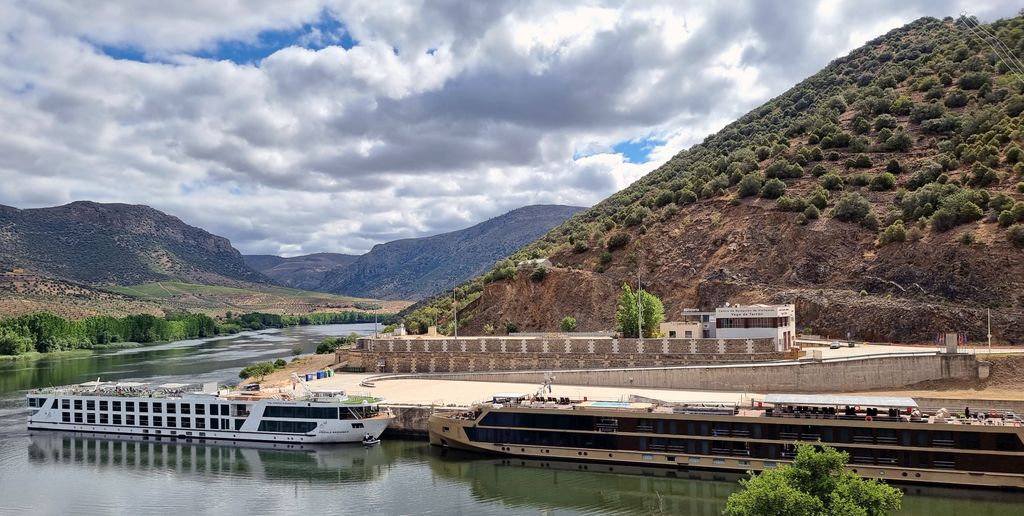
<point>116,244</point>
<point>883,195</point>
<point>306,272</point>
<point>419,267</point>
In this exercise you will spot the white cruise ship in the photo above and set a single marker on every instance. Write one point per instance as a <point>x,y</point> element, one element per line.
<point>190,411</point>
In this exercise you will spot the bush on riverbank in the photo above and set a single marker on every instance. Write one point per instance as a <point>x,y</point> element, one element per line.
<point>329,344</point>
<point>257,370</point>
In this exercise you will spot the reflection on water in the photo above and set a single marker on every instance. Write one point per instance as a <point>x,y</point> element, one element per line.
<point>144,455</point>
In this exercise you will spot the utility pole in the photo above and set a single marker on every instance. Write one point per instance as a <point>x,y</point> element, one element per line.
<point>455,317</point>
<point>375,335</point>
<point>989,331</point>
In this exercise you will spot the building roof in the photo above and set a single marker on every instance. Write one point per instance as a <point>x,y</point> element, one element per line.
<point>840,400</point>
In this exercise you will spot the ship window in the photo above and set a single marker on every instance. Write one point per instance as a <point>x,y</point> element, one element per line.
<point>186,422</point>
<point>670,458</point>
<point>129,420</point>
<point>301,412</point>
<point>90,418</point>
<point>65,417</point>
<point>719,461</point>
<point>143,406</point>
<point>357,425</point>
<point>744,462</point>
<point>129,406</point>
<point>117,419</point>
<point>117,406</point>
<point>694,460</point>
<point>78,417</point>
<point>104,419</point>
<point>104,405</point>
<point>214,424</point>
<point>171,408</point>
<point>291,427</point>
<point>158,407</point>
<point>224,410</point>
<point>172,421</point>
<point>78,404</point>
<point>201,422</point>
<point>200,409</point>
<point>239,423</point>
<point>158,421</point>
<point>65,403</point>
<point>185,408</point>
<point>90,405</point>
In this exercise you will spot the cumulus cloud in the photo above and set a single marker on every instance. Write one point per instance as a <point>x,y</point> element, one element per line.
<point>334,125</point>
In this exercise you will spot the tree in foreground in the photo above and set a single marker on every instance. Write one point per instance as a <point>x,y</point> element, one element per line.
<point>816,483</point>
<point>627,315</point>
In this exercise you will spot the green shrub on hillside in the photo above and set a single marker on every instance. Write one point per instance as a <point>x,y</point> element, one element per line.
<point>750,185</point>
<point>896,232</point>
<point>832,181</point>
<point>773,189</point>
<point>618,241</point>
<point>882,182</point>
<point>1015,234</point>
<point>851,207</point>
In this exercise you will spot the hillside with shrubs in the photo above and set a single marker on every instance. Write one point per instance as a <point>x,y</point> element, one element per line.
<point>884,196</point>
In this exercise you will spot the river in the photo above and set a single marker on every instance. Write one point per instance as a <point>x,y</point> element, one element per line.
<point>55,473</point>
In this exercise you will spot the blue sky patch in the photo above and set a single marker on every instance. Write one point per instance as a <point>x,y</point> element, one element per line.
<point>326,31</point>
<point>638,150</point>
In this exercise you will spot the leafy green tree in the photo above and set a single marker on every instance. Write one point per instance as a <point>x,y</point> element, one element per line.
<point>568,324</point>
<point>628,317</point>
<point>257,370</point>
<point>13,342</point>
<point>817,483</point>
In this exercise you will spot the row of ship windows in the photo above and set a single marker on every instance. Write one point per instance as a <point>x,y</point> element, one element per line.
<point>294,427</point>
<point>130,406</point>
<point>160,421</point>
<point>186,408</point>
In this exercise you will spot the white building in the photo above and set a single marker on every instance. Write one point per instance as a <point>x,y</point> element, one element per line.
<point>776,322</point>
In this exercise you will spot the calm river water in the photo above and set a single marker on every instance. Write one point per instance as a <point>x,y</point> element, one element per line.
<point>52,473</point>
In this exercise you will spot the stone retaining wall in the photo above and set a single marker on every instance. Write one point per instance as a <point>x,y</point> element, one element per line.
<point>532,354</point>
<point>851,375</point>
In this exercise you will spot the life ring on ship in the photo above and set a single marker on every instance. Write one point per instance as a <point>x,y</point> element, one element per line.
<point>868,418</point>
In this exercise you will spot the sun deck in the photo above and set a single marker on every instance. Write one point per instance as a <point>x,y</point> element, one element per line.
<point>790,406</point>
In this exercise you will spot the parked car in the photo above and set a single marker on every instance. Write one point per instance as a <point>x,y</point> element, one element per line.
<point>834,345</point>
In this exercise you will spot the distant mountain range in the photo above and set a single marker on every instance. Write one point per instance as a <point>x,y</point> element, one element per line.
<point>305,272</point>
<point>116,244</point>
<point>105,245</point>
<point>415,268</point>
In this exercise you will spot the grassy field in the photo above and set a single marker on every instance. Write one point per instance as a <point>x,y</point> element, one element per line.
<point>271,299</point>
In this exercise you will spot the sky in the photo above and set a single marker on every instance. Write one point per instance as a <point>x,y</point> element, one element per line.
<point>316,125</point>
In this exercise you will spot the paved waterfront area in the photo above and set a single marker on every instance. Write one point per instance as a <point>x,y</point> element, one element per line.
<point>446,392</point>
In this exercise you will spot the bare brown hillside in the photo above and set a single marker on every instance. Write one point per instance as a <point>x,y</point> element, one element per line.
<point>710,253</point>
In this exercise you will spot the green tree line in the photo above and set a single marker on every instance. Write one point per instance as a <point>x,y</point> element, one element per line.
<point>44,332</point>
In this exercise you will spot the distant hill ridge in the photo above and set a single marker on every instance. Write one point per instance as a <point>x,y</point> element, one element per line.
<point>415,268</point>
<point>116,244</point>
<point>306,272</point>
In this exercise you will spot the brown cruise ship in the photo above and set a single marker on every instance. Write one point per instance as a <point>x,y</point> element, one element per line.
<point>886,437</point>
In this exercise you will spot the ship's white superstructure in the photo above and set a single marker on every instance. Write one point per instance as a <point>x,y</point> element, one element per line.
<point>186,412</point>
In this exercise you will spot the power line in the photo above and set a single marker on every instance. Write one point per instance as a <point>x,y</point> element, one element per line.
<point>1002,52</point>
